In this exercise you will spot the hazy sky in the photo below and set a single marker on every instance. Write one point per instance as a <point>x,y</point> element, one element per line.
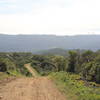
<point>60,17</point>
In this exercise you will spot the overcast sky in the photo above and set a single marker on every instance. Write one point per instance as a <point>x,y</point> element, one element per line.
<point>60,17</point>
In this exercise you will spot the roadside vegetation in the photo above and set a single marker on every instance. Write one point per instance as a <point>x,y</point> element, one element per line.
<point>86,64</point>
<point>77,74</point>
<point>12,64</point>
<point>74,88</point>
<point>3,76</point>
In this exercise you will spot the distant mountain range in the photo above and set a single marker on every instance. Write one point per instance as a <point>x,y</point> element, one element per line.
<point>36,43</point>
<point>55,51</point>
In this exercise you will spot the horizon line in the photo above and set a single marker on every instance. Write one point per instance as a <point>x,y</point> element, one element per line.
<point>50,34</point>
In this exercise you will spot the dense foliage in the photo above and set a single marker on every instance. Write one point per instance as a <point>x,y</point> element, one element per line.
<point>86,63</point>
<point>46,64</point>
<point>74,88</point>
<point>12,63</point>
<point>76,74</point>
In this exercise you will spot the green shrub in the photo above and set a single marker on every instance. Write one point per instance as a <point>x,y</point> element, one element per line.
<point>74,88</point>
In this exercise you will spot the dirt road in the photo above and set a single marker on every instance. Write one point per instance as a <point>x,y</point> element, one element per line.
<point>40,88</point>
<point>36,88</point>
<point>31,70</point>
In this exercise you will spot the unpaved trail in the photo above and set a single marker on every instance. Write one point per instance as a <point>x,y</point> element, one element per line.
<point>36,88</point>
<point>40,88</point>
<point>30,69</point>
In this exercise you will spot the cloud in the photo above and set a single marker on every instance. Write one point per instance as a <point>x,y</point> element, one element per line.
<point>8,1</point>
<point>61,17</point>
<point>15,6</point>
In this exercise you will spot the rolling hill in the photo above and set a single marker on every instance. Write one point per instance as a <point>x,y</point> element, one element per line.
<point>35,43</point>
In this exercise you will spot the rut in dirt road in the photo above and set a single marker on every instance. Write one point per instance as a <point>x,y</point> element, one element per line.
<point>30,69</point>
<point>40,88</point>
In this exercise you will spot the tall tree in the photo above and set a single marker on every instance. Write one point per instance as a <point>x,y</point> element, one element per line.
<point>72,61</point>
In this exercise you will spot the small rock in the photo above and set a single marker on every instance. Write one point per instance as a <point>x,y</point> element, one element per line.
<point>1,97</point>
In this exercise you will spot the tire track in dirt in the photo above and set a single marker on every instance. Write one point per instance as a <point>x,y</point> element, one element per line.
<point>40,88</point>
<point>30,69</point>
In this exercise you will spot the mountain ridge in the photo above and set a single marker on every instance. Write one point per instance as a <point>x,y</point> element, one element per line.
<point>35,43</point>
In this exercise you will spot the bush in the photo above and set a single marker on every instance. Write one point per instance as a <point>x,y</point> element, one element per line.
<point>74,88</point>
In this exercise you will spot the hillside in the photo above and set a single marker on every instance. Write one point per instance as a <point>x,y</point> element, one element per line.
<point>35,43</point>
<point>77,76</point>
<point>55,51</point>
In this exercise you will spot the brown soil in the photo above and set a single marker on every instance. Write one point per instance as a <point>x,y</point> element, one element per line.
<point>37,88</point>
<point>40,88</point>
<point>30,69</point>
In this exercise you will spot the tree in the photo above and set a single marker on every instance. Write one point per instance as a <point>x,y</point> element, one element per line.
<point>72,61</point>
<point>60,63</point>
<point>91,71</point>
<point>87,56</point>
<point>6,65</point>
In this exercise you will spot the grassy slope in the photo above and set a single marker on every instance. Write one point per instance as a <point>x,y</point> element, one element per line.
<point>3,75</point>
<point>12,73</point>
<point>75,89</point>
<point>15,73</point>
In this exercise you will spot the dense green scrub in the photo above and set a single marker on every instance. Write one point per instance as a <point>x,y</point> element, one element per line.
<point>74,88</point>
<point>47,64</point>
<point>86,64</point>
<point>13,63</point>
